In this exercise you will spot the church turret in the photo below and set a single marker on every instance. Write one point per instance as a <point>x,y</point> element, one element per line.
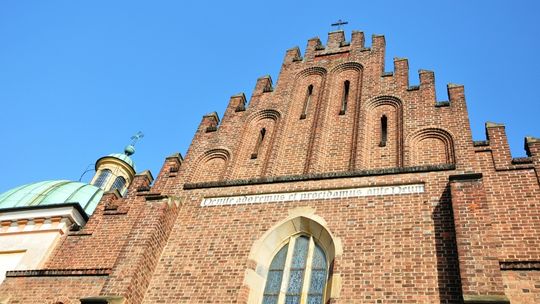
<point>116,171</point>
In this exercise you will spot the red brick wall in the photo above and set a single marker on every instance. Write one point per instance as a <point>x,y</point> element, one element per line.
<point>393,245</point>
<point>522,287</point>
<point>50,290</point>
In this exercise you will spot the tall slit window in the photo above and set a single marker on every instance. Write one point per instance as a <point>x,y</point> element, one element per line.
<point>260,140</point>
<point>297,274</point>
<point>345,97</point>
<point>102,179</point>
<point>307,101</point>
<point>384,131</point>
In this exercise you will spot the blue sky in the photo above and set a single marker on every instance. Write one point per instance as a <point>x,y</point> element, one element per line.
<point>78,78</point>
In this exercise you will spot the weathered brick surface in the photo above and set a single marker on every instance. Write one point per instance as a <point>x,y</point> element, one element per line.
<point>441,246</point>
<point>50,290</point>
<point>523,287</point>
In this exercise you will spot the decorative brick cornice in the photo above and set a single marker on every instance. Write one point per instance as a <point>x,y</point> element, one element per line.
<point>60,272</point>
<point>319,176</point>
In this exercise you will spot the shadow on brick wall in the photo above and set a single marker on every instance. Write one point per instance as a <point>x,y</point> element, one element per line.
<point>447,258</point>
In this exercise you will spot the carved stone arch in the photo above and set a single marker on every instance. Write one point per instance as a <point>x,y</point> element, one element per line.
<point>430,146</point>
<point>371,155</point>
<point>301,221</point>
<point>210,166</point>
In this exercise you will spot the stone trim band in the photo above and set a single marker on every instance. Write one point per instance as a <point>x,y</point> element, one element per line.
<point>312,195</point>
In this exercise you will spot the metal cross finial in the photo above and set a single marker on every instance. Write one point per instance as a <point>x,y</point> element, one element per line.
<point>136,138</point>
<point>339,23</point>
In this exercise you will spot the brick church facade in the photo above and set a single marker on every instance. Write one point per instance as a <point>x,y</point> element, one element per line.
<point>340,184</point>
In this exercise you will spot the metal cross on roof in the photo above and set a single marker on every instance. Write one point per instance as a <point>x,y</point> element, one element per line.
<point>136,138</point>
<point>339,23</point>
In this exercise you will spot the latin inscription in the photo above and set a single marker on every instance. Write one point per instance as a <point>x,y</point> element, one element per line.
<point>312,195</point>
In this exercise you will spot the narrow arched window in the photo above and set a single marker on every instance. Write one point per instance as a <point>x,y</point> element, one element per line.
<point>345,97</point>
<point>307,271</point>
<point>384,131</point>
<point>119,184</point>
<point>307,100</point>
<point>102,179</point>
<point>258,145</point>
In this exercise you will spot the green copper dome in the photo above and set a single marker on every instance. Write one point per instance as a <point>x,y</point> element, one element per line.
<point>124,158</point>
<point>52,193</point>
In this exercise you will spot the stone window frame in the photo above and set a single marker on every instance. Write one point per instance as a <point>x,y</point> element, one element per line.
<point>308,267</point>
<point>265,248</point>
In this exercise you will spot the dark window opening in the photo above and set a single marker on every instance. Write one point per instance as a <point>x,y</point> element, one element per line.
<point>260,140</point>
<point>384,131</point>
<point>307,101</point>
<point>345,98</point>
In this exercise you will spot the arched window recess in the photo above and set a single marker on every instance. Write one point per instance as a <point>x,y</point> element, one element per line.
<point>298,273</point>
<point>307,101</point>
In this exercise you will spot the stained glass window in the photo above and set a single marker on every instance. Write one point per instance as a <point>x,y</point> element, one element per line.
<point>306,267</point>
<point>275,275</point>
<point>318,276</point>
